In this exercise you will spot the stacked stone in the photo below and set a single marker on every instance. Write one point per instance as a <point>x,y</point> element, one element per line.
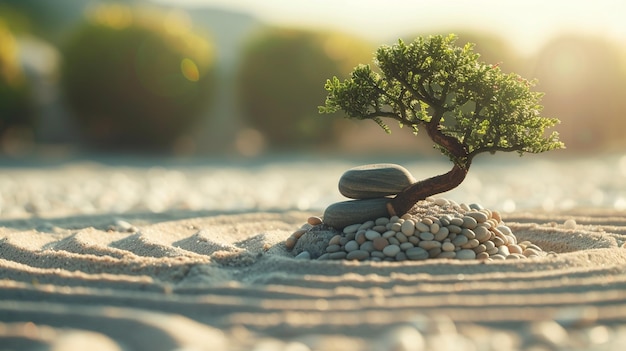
<point>461,232</point>
<point>435,228</point>
<point>370,188</point>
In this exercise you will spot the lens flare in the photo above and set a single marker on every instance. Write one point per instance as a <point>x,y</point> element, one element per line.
<point>190,70</point>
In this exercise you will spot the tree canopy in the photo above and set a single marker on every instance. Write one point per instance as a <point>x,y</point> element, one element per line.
<point>466,106</point>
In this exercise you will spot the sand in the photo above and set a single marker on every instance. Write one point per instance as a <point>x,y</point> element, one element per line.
<point>223,280</point>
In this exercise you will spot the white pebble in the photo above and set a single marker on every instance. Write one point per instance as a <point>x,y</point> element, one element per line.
<point>441,201</point>
<point>570,224</point>
<point>505,230</point>
<point>408,227</point>
<point>503,250</point>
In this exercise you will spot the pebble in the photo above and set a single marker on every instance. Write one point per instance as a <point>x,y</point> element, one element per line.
<point>469,222</point>
<point>358,255</point>
<point>408,227</point>
<point>429,244</point>
<point>290,243</point>
<point>371,235</point>
<point>351,228</point>
<point>416,253</point>
<point>374,181</point>
<point>446,231</point>
<point>466,254</point>
<point>342,214</point>
<point>299,233</point>
<point>380,243</point>
<point>391,250</point>
<point>422,227</point>
<point>480,217</point>
<point>427,236</point>
<point>569,224</point>
<point>448,246</point>
<point>314,220</point>
<point>351,246</point>
<point>482,234</point>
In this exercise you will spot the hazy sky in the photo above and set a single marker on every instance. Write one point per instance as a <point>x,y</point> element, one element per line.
<point>529,23</point>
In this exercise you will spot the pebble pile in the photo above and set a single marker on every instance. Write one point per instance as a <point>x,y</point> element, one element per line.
<point>436,228</point>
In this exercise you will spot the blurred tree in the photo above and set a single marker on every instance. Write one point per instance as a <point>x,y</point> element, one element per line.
<point>136,79</point>
<point>48,20</point>
<point>16,111</point>
<point>279,80</point>
<point>585,81</point>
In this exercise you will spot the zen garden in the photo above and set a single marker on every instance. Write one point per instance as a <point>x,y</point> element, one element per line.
<point>466,107</point>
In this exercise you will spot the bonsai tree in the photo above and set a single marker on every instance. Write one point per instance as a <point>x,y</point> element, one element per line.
<point>466,107</point>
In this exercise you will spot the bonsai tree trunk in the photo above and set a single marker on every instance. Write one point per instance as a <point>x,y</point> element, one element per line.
<point>405,200</point>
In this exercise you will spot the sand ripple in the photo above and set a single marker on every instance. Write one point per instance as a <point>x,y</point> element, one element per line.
<point>228,283</point>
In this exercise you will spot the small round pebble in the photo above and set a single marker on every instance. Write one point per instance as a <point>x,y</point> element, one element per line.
<point>466,254</point>
<point>358,255</point>
<point>371,234</point>
<point>391,250</point>
<point>416,253</point>
<point>313,220</point>
<point>570,224</point>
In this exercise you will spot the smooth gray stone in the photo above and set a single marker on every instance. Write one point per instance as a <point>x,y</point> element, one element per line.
<point>342,214</point>
<point>374,181</point>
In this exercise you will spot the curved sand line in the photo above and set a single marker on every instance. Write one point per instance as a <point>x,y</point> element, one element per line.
<point>228,283</point>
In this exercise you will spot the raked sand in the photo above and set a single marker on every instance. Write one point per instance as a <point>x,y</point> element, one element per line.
<point>223,280</point>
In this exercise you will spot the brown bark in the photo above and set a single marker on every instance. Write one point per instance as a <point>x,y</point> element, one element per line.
<point>405,200</point>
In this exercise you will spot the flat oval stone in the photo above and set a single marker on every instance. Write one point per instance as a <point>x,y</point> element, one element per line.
<point>342,214</point>
<point>375,180</point>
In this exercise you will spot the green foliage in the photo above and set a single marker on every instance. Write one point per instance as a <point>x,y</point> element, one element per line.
<point>136,81</point>
<point>280,77</point>
<point>16,108</point>
<point>467,106</point>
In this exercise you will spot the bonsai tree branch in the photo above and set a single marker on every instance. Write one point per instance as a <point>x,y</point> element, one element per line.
<point>405,200</point>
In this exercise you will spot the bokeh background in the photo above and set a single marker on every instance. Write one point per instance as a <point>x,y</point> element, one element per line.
<point>244,78</point>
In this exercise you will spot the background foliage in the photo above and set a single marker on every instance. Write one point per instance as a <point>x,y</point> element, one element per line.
<point>281,77</point>
<point>134,80</point>
<point>16,105</point>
